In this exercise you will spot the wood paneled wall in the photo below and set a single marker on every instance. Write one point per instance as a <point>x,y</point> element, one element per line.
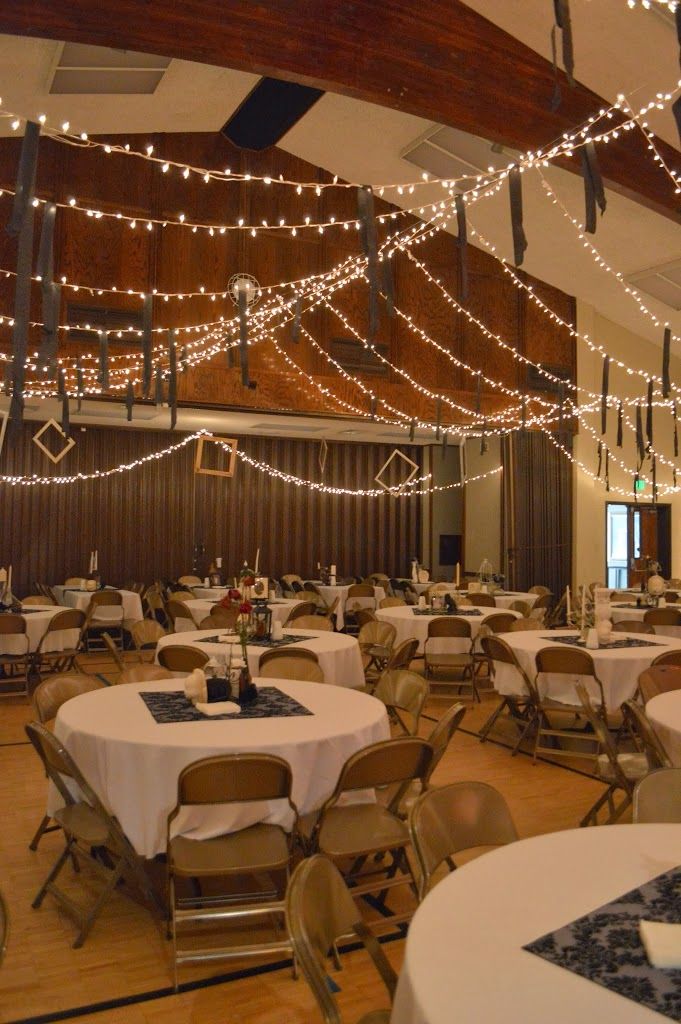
<point>109,253</point>
<point>147,523</point>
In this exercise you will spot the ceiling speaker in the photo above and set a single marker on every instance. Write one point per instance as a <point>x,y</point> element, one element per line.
<point>268,112</point>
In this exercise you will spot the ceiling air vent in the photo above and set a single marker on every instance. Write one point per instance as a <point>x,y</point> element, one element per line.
<point>99,70</point>
<point>662,282</point>
<point>449,153</point>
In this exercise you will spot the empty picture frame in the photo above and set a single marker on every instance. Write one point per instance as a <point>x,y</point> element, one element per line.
<point>225,443</point>
<point>69,443</point>
<point>396,488</point>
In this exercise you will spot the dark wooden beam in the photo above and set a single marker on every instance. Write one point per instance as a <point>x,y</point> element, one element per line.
<point>435,58</point>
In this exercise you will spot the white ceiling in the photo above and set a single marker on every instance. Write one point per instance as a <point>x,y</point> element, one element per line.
<point>616,50</point>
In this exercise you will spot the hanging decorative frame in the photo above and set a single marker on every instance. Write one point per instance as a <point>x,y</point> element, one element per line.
<point>396,453</point>
<point>4,416</point>
<point>228,445</point>
<point>323,452</point>
<point>69,443</point>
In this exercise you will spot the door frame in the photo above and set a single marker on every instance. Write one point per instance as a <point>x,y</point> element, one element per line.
<point>664,531</point>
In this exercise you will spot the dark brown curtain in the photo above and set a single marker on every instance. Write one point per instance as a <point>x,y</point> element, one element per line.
<point>162,520</point>
<point>537,512</point>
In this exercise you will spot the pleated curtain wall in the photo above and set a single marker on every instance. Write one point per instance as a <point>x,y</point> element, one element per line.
<point>537,512</point>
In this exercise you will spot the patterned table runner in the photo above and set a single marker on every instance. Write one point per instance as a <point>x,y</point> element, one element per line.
<point>257,641</point>
<point>445,611</point>
<point>627,641</point>
<point>604,946</point>
<point>168,707</point>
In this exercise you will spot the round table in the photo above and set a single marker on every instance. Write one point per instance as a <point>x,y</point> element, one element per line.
<point>211,594</point>
<point>664,712</point>
<point>200,608</point>
<point>464,959</point>
<point>618,668</point>
<point>619,611</point>
<point>133,762</point>
<point>330,593</point>
<point>76,598</point>
<point>37,618</point>
<point>339,655</point>
<point>409,625</point>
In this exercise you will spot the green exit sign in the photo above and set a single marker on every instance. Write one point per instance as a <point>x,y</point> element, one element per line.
<point>639,485</point>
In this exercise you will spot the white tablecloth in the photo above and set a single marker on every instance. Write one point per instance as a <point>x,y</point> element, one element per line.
<point>133,762</point>
<point>664,711</point>
<point>408,625</point>
<point>37,619</point>
<point>464,958</point>
<point>618,668</point>
<point>281,609</point>
<point>339,656</point>
<point>211,594</point>
<point>341,592</point>
<point>132,603</point>
<point>626,611</point>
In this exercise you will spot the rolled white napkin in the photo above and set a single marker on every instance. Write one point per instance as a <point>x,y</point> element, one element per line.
<point>662,943</point>
<point>220,707</point>
<point>195,686</point>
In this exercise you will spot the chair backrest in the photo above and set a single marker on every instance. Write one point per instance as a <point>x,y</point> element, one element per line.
<point>291,664</point>
<point>384,763</point>
<point>643,729</point>
<point>403,690</point>
<point>292,577</point>
<point>177,610</point>
<point>482,600</point>
<point>571,660</point>
<point>667,658</point>
<point>34,599</point>
<point>603,736</point>
<point>211,622</point>
<point>227,617</point>
<point>442,732</point>
<point>303,609</point>
<point>319,912</point>
<point>142,674</point>
<point>541,606</point>
<point>376,632</point>
<point>659,679</point>
<point>320,622</point>
<point>54,691</point>
<point>632,626</point>
<point>499,623</point>
<point>70,618</point>
<point>461,816</point>
<point>448,625</point>
<point>538,589</point>
<point>190,581</point>
<point>146,633</point>
<point>181,658</point>
<point>234,778</point>
<point>497,650</point>
<point>105,598</point>
<point>12,624</point>
<point>520,624</point>
<point>360,590</point>
<point>657,797</point>
<point>520,606</point>
<point>391,602</point>
<point>671,596</point>
<point>663,617</point>
<point>364,615</point>
<point>403,655</point>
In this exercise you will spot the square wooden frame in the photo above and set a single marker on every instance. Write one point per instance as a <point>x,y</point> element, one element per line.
<point>69,443</point>
<point>398,488</point>
<point>231,441</point>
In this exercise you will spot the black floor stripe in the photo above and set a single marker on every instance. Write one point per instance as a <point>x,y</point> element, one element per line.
<point>189,986</point>
<point>528,753</point>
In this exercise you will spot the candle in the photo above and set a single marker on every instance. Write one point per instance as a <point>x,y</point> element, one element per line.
<point>583,605</point>
<point>3,575</point>
<point>458,575</point>
<point>235,586</point>
<point>567,602</point>
<point>92,562</point>
<point>9,580</point>
<point>257,561</point>
<point>218,562</point>
<point>96,562</point>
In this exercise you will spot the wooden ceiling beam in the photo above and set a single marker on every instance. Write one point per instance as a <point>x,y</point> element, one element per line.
<point>435,58</point>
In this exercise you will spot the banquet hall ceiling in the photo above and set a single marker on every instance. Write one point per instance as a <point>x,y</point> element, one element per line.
<point>616,49</point>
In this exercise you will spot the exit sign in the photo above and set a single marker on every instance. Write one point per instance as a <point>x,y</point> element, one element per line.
<point>639,485</point>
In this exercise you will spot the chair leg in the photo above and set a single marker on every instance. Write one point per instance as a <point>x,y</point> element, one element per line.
<point>58,865</point>
<point>484,732</point>
<point>43,827</point>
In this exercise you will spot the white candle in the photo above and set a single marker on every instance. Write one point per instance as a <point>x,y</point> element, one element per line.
<point>583,605</point>
<point>218,562</point>
<point>9,580</point>
<point>3,575</point>
<point>96,561</point>
<point>92,562</point>
<point>458,575</point>
<point>257,561</point>
<point>567,602</point>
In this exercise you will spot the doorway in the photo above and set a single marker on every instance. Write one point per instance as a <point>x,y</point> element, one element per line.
<point>634,534</point>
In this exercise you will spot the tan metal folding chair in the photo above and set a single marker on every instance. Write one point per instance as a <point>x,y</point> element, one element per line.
<point>296,663</point>
<point>522,706</point>
<point>406,692</point>
<point>182,658</point>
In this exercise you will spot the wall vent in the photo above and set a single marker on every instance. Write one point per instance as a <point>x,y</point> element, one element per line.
<point>449,153</point>
<point>662,282</point>
<point>101,71</point>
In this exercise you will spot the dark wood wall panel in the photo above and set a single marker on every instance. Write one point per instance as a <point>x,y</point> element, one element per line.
<point>108,253</point>
<point>147,522</point>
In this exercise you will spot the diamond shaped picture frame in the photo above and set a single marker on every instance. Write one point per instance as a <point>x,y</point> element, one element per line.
<point>229,472</point>
<point>396,453</point>
<point>4,417</point>
<point>69,443</point>
<point>323,452</point>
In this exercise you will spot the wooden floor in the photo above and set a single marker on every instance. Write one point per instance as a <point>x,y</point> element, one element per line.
<point>127,956</point>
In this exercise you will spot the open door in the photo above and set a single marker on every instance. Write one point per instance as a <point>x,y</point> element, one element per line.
<point>634,535</point>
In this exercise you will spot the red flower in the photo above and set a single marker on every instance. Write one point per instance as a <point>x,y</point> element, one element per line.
<point>248,581</point>
<point>246,608</point>
<point>234,595</point>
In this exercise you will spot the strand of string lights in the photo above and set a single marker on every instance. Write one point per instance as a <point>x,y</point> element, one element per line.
<point>673,175</point>
<point>100,474</point>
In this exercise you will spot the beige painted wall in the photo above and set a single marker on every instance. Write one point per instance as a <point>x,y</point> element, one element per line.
<point>590,497</point>
<point>482,498</point>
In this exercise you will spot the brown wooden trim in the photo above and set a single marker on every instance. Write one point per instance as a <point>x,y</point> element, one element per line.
<point>435,58</point>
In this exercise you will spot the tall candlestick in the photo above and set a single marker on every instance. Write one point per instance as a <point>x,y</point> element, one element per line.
<point>458,575</point>
<point>583,606</point>
<point>567,603</point>
<point>9,580</point>
<point>96,568</point>
<point>257,561</point>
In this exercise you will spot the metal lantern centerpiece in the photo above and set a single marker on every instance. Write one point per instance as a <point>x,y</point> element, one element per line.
<point>262,618</point>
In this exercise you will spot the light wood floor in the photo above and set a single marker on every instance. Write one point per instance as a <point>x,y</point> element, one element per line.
<point>127,954</point>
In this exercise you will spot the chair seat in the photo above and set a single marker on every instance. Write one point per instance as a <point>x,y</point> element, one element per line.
<point>634,766</point>
<point>365,827</point>
<point>260,848</point>
<point>81,821</point>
